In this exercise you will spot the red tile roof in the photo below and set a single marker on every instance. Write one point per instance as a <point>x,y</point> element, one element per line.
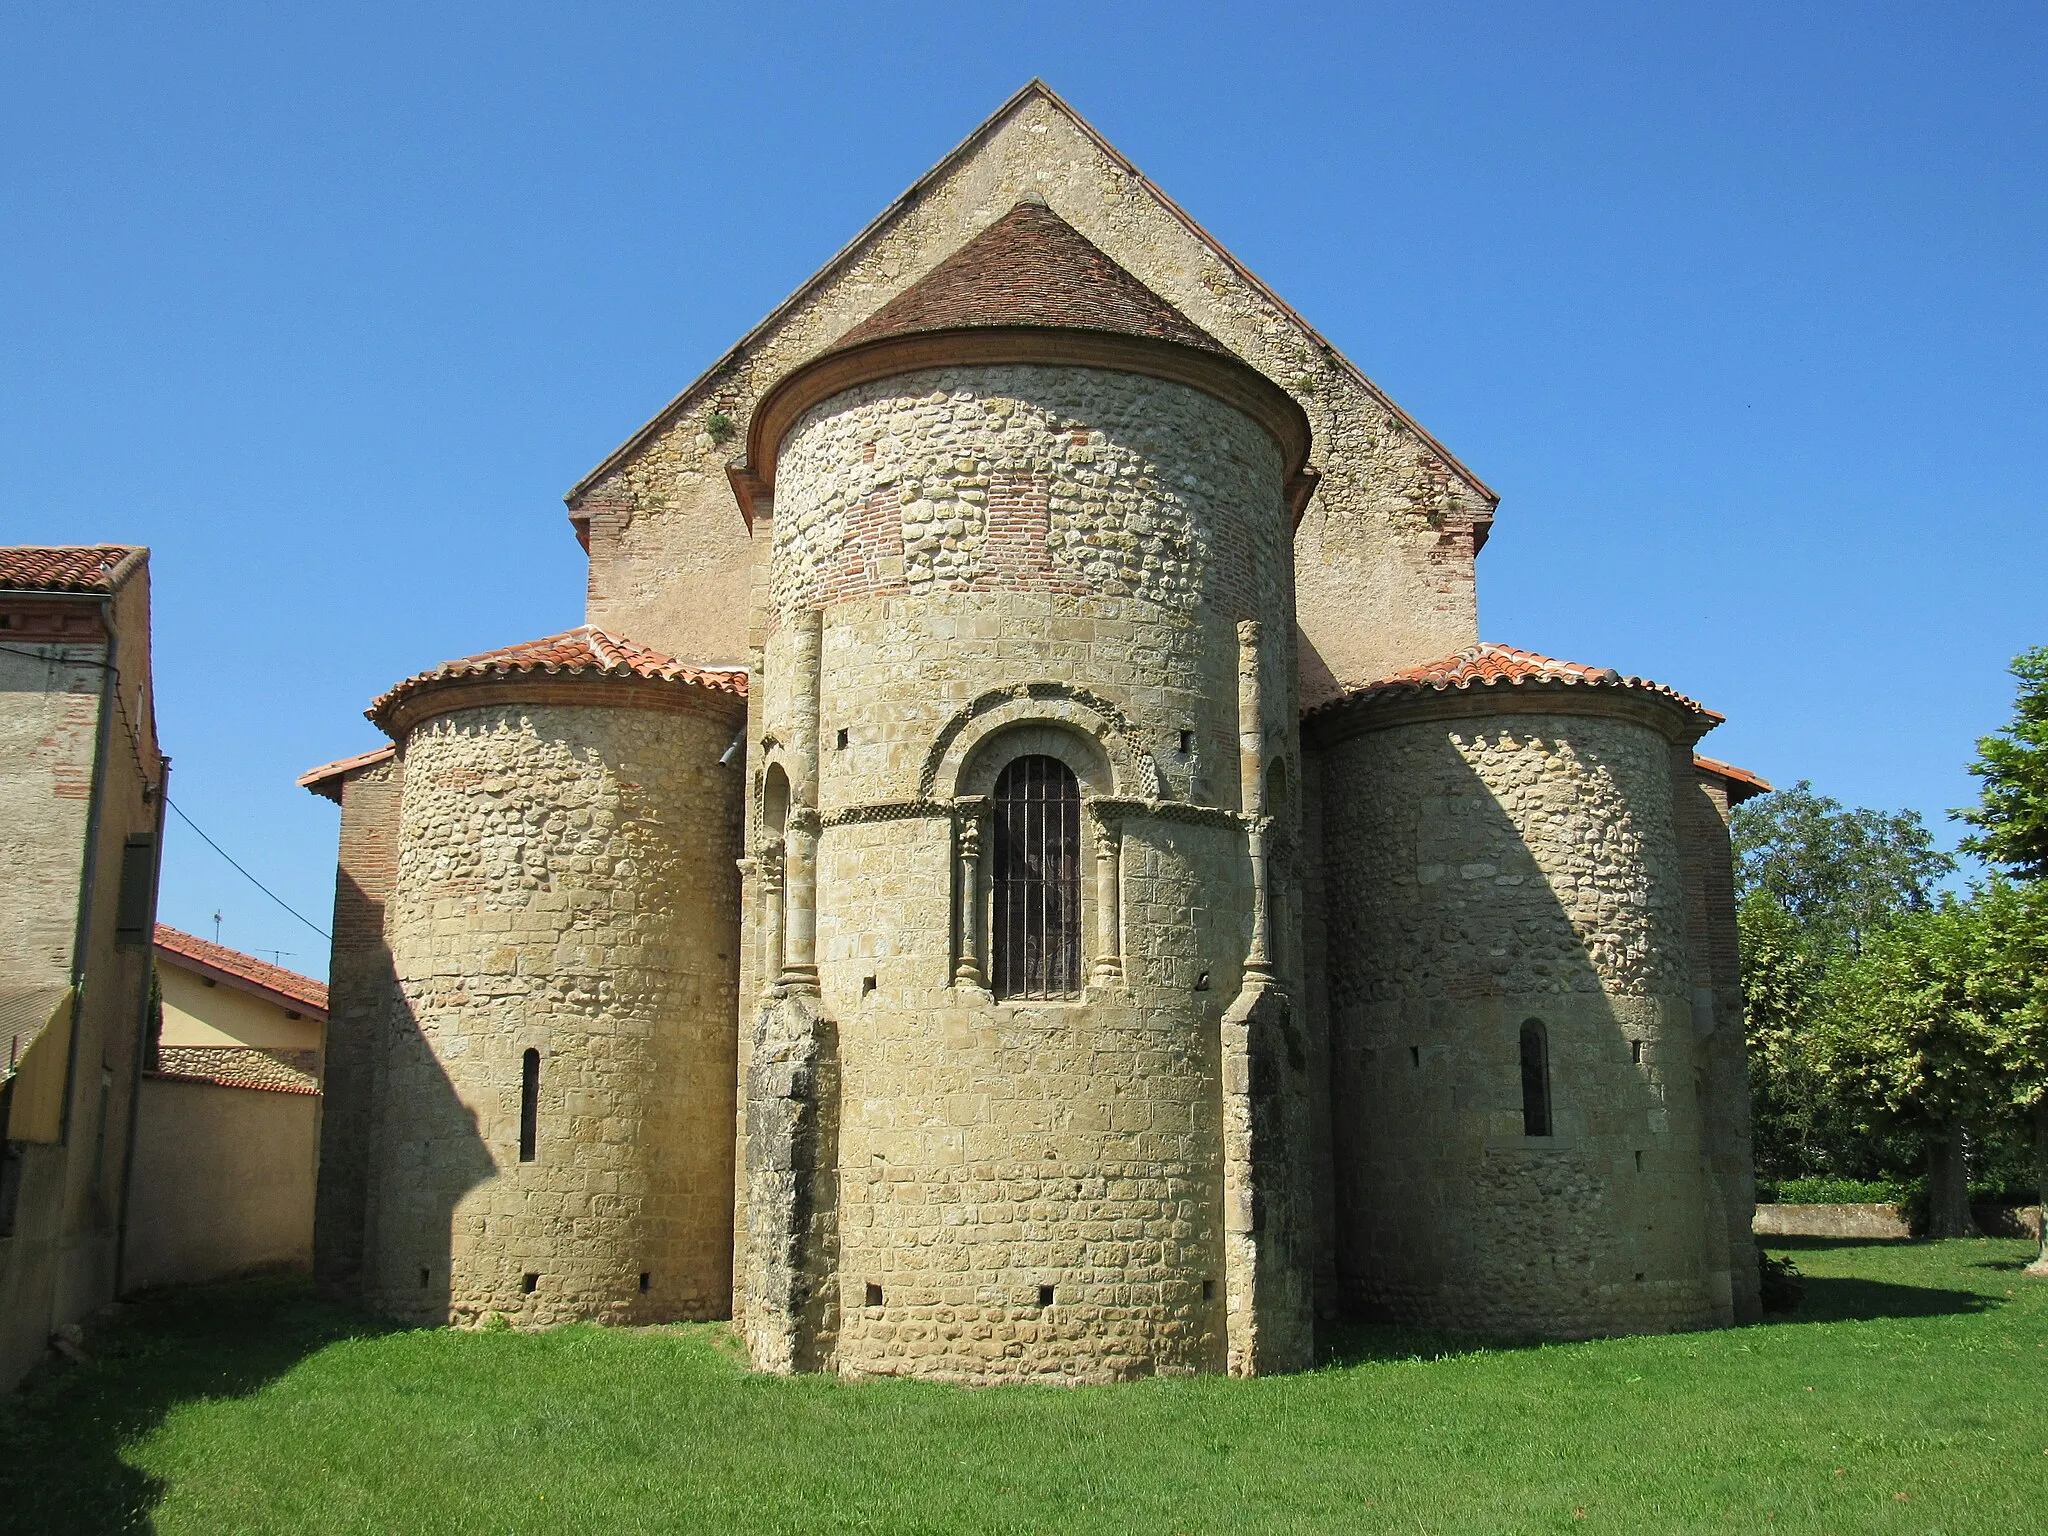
<point>1493,666</point>
<point>1031,267</point>
<point>1742,784</point>
<point>68,568</point>
<point>327,778</point>
<point>288,989</point>
<point>583,650</point>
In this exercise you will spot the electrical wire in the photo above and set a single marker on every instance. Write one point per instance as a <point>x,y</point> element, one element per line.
<point>266,890</point>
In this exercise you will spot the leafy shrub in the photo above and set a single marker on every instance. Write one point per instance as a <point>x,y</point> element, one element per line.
<point>1779,1283</point>
<point>1842,1191</point>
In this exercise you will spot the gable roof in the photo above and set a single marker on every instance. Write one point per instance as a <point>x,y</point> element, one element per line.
<point>245,973</point>
<point>1504,666</point>
<point>584,651</point>
<point>1031,267</point>
<point>1035,90</point>
<point>68,567</point>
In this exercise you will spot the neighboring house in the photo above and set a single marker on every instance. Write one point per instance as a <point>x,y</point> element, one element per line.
<point>1027,868</point>
<point>81,817</point>
<point>228,1143</point>
<point>231,1018</point>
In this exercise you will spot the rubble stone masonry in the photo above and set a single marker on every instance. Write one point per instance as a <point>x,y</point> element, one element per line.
<point>1019,560</point>
<point>566,887</point>
<point>1484,872</point>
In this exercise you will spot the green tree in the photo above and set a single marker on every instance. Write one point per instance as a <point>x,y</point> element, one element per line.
<point>1907,1039</point>
<point>2011,816</point>
<point>1842,874</point>
<point>2011,821</point>
<point>1816,880</point>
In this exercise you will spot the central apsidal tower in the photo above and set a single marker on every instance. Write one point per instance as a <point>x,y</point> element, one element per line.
<point>1023,761</point>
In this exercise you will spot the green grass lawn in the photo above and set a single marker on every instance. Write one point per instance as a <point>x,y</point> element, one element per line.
<point>1909,1393</point>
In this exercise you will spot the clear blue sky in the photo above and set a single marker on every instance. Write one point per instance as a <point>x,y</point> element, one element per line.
<point>1739,307</point>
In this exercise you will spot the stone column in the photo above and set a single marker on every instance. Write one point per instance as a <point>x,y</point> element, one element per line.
<point>770,868</point>
<point>1108,970</point>
<point>800,836</point>
<point>968,971</point>
<point>1251,772</point>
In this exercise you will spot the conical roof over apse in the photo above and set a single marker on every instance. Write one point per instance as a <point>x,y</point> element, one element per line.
<point>1031,268</point>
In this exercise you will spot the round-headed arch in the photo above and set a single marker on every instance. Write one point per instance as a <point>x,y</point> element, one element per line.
<point>1084,731</point>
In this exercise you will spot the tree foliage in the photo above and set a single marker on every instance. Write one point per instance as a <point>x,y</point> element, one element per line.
<point>1840,874</point>
<point>2011,817</point>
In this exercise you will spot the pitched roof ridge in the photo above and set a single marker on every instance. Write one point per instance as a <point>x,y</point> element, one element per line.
<point>1035,86</point>
<point>234,966</point>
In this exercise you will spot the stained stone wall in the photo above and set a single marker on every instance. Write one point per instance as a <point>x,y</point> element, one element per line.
<point>1012,560</point>
<point>1482,872</point>
<point>565,884</point>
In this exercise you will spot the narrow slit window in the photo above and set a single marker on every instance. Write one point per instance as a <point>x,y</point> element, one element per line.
<point>1535,1080</point>
<point>529,1105</point>
<point>1037,880</point>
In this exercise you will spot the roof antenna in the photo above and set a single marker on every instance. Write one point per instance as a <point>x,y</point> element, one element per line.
<point>216,926</point>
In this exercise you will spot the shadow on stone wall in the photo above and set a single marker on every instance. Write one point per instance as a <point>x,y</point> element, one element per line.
<point>429,1156</point>
<point>1527,1227</point>
<point>66,1431</point>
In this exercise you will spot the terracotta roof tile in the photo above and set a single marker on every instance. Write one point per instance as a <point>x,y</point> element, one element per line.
<point>1031,267</point>
<point>288,989</point>
<point>584,649</point>
<point>1742,784</point>
<point>67,568</point>
<point>1493,666</point>
<point>326,779</point>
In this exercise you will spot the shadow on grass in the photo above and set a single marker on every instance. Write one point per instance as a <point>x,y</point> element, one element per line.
<point>65,1430</point>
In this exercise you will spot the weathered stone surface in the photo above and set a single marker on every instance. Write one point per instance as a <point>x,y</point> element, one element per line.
<point>1483,873</point>
<point>1012,560</point>
<point>565,885</point>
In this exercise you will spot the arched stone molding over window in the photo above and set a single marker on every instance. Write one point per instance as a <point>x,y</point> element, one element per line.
<point>1068,733</point>
<point>1116,766</point>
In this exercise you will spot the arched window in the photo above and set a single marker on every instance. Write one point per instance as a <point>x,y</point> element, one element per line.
<point>1535,1080</point>
<point>1036,874</point>
<point>529,1105</point>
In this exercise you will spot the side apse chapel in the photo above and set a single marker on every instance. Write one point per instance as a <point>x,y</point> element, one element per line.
<point>1027,869</point>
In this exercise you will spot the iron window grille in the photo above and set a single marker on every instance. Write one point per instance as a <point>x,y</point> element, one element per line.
<point>1036,877</point>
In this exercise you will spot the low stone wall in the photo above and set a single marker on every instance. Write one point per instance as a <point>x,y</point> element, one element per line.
<point>1885,1221</point>
<point>1830,1221</point>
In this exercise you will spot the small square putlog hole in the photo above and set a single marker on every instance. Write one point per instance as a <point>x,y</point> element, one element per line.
<point>874,1294</point>
<point>645,1281</point>
<point>1045,1295</point>
<point>1208,1290</point>
<point>529,1283</point>
<point>423,1279</point>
